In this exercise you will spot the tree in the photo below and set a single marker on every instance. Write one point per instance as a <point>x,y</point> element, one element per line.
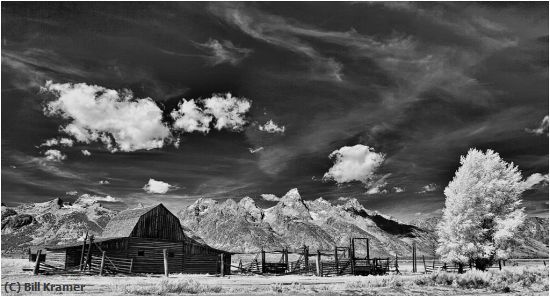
<point>482,213</point>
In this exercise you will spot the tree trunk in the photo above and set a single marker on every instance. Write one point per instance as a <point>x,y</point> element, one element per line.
<point>482,264</point>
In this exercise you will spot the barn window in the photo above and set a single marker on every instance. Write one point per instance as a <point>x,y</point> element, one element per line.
<point>141,253</point>
<point>170,254</point>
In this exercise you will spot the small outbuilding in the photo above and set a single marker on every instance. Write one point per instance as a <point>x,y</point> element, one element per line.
<point>141,237</point>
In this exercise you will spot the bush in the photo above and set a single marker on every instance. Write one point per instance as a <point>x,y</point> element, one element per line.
<point>166,287</point>
<point>507,280</point>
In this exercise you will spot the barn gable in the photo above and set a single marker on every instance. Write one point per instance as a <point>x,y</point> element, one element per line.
<point>149,222</point>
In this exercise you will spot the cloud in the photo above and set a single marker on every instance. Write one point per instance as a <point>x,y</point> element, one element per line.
<point>354,163</point>
<point>270,197</point>
<point>280,32</point>
<point>157,187</point>
<point>86,152</point>
<point>429,188</point>
<point>117,119</point>
<point>54,155</point>
<point>271,127</point>
<point>224,52</point>
<point>378,189</point>
<point>378,186</point>
<point>87,199</point>
<point>255,150</point>
<point>58,142</point>
<point>535,179</point>
<point>226,111</point>
<point>398,189</point>
<point>542,129</point>
<point>72,193</point>
<point>104,182</point>
<point>191,118</point>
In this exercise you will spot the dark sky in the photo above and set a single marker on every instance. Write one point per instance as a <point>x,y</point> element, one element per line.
<point>418,83</point>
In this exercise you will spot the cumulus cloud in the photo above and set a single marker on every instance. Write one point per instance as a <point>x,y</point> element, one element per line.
<point>228,111</point>
<point>86,152</point>
<point>542,128</point>
<point>157,187</point>
<point>190,118</point>
<point>398,189</point>
<point>270,197</point>
<point>117,119</point>
<point>255,150</point>
<point>58,142</point>
<point>224,52</point>
<point>535,179</point>
<point>429,188</point>
<point>377,189</point>
<point>271,127</point>
<point>54,155</point>
<point>224,110</point>
<point>104,182</point>
<point>354,163</point>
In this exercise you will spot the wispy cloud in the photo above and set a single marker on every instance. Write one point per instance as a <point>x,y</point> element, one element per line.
<point>277,31</point>
<point>224,52</point>
<point>255,150</point>
<point>541,129</point>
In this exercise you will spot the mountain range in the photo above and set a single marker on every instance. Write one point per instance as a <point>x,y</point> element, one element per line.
<point>243,227</point>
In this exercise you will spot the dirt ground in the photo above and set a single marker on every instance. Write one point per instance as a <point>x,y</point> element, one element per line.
<point>12,275</point>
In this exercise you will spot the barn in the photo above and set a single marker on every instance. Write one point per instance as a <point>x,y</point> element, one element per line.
<point>140,237</point>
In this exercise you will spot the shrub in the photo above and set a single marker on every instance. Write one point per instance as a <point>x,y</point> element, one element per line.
<point>165,287</point>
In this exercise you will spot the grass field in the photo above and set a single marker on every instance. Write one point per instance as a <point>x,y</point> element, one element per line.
<point>526,279</point>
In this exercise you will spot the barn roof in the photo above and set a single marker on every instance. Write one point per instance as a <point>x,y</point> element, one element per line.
<point>123,223</point>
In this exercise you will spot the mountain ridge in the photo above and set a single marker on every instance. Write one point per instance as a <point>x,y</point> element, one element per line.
<point>243,227</point>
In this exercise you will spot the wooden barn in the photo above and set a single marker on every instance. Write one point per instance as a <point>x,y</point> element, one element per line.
<point>140,240</point>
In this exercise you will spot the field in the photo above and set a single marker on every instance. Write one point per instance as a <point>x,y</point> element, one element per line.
<point>528,278</point>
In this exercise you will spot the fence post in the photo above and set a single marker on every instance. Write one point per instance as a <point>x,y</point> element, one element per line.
<point>352,256</point>
<point>89,257</point>
<point>286,257</point>
<point>222,266</point>
<point>318,263</point>
<point>336,259</point>
<point>414,256</point>
<point>263,261</point>
<point>37,263</point>
<point>368,250</point>
<point>165,255</point>
<point>131,265</point>
<point>396,264</point>
<point>83,250</point>
<point>499,265</point>
<point>424,261</point>
<point>102,264</point>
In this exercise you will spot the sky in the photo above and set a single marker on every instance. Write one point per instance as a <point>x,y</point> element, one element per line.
<point>169,102</point>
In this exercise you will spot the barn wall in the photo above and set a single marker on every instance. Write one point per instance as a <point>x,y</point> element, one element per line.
<point>152,260</point>
<point>159,223</point>
<point>204,259</point>
<point>55,257</point>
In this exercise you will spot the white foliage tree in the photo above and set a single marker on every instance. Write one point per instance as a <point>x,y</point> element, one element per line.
<point>482,212</point>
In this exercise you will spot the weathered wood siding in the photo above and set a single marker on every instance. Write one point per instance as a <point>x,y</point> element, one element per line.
<point>204,259</point>
<point>159,223</point>
<point>56,258</point>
